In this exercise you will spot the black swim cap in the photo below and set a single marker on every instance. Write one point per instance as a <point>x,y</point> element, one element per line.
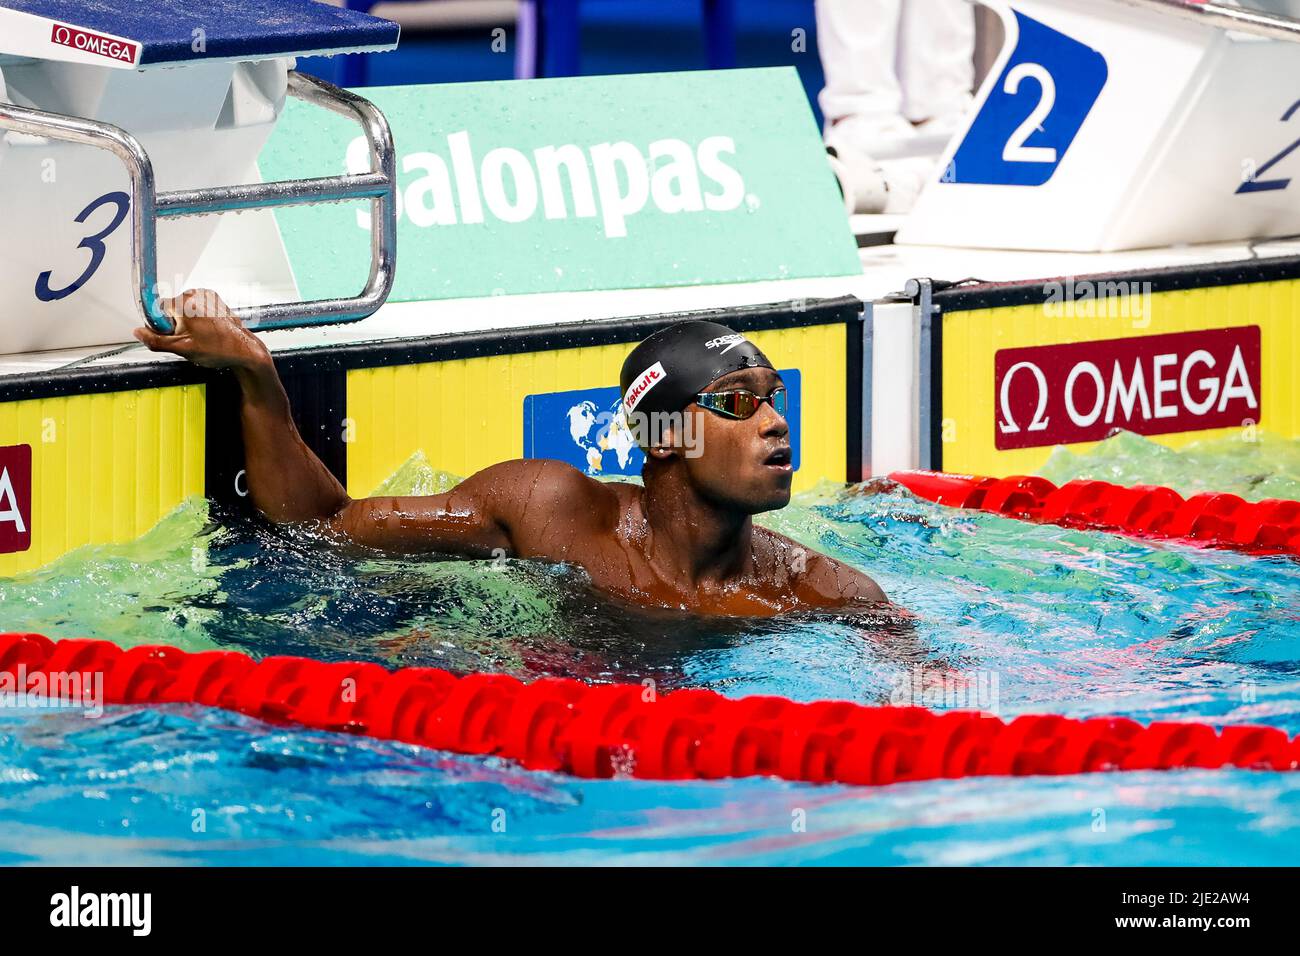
<point>666,371</point>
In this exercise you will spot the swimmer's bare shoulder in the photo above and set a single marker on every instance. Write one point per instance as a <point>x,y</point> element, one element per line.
<point>820,581</point>
<point>552,510</point>
<point>521,508</point>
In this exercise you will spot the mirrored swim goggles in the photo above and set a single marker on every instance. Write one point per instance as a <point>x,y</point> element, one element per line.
<point>741,403</point>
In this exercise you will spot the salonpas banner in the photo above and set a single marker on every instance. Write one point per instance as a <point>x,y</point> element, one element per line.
<point>572,184</point>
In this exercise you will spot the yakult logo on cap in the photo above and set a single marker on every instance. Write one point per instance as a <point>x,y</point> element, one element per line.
<point>644,382</point>
<point>110,47</point>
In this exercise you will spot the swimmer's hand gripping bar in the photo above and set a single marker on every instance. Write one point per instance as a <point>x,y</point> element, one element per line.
<point>148,205</point>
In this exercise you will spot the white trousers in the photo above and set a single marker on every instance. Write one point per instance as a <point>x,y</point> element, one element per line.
<point>882,58</point>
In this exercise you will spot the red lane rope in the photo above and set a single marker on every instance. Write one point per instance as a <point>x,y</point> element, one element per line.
<point>1146,511</point>
<point>597,730</point>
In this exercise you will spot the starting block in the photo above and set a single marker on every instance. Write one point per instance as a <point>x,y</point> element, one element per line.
<point>1120,124</point>
<point>123,114</point>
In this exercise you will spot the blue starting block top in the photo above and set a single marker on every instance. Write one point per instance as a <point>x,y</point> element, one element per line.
<point>164,31</point>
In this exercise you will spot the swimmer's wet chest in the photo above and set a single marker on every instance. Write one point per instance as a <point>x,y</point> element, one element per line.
<point>621,566</point>
<point>612,543</point>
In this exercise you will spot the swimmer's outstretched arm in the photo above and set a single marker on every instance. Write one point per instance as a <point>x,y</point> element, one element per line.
<point>289,484</point>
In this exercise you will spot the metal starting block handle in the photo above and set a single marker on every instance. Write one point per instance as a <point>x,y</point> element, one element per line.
<point>1260,23</point>
<point>148,205</point>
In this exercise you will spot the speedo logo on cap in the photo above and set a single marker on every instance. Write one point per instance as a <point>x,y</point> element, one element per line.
<point>730,341</point>
<point>642,385</point>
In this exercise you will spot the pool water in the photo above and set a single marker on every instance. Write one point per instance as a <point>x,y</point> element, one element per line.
<point>1007,616</point>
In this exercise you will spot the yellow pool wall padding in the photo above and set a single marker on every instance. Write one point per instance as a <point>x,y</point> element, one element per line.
<point>466,414</point>
<point>105,467</point>
<point>972,339</point>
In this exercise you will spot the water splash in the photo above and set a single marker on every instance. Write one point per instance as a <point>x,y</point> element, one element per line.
<point>1053,620</point>
<point>1254,465</point>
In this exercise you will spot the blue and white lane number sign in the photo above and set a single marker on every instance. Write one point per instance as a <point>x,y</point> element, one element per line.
<point>1032,115</point>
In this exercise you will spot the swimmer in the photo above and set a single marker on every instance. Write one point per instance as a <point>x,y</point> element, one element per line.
<point>683,539</point>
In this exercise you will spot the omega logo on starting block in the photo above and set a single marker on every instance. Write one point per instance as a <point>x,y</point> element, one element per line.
<point>15,498</point>
<point>110,47</point>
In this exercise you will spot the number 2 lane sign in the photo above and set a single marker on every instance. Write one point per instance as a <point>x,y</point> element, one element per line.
<point>1033,113</point>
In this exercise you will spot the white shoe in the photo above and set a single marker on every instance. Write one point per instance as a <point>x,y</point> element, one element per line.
<point>935,133</point>
<point>862,184</point>
<point>884,136</point>
<point>906,177</point>
<point>871,187</point>
<point>891,136</point>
